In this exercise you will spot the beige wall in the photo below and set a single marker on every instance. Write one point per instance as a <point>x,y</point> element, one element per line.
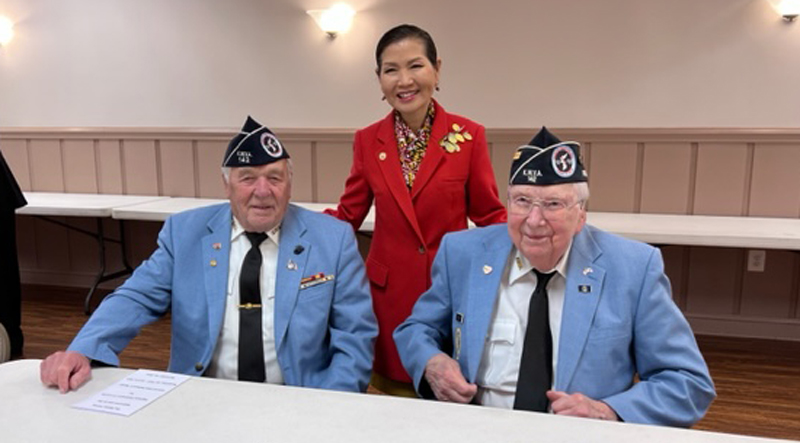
<point>506,63</point>
<point>715,172</point>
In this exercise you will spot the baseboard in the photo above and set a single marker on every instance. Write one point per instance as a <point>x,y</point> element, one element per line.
<point>63,278</point>
<point>702,324</point>
<point>745,327</point>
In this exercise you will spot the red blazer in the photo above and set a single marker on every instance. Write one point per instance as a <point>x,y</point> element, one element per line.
<point>449,187</point>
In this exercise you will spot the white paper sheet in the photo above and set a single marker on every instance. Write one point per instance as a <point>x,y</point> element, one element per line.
<point>132,392</point>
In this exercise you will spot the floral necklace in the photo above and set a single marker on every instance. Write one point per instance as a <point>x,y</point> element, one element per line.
<point>411,146</point>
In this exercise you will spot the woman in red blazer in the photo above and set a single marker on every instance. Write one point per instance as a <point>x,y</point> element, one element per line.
<point>426,171</point>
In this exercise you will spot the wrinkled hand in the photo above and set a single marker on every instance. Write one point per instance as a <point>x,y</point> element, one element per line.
<point>579,405</point>
<point>67,370</point>
<point>446,380</point>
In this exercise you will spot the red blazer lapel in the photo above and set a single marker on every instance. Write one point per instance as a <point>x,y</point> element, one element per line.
<point>389,165</point>
<point>434,154</point>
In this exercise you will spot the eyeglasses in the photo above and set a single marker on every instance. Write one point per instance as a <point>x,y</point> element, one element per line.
<point>551,209</point>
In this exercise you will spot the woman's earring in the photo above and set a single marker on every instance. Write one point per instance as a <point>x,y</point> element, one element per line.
<point>437,86</point>
<point>383,99</point>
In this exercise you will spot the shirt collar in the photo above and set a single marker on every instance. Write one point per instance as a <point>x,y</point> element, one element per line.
<point>520,266</point>
<point>273,234</point>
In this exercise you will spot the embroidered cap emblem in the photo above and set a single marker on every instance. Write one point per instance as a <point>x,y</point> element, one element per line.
<point>564,161</point>
<point>271,145</point>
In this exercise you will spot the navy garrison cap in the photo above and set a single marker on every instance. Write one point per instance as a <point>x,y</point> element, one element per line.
<point>546,160</point>
<point>254,145</point>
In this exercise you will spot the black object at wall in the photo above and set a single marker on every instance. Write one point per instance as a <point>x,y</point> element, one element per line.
<point>11,198</point>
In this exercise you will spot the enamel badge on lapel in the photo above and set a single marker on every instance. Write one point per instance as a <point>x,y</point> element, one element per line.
<point>587,271</point>
<point>291,265</point>
<point>584,289</point>
<point>217,246</point>
<point>382,156</point>
<point>487,269</point>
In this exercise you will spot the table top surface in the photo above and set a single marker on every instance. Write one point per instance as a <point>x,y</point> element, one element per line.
<point>160,210</point>
<point>79,205</point>
<point>659,229</point>
<point>702,230</point>
<point>204,409</point>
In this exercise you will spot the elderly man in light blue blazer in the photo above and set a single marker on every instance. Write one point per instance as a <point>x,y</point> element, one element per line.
<point>551,315</point>
<point>311,321</point>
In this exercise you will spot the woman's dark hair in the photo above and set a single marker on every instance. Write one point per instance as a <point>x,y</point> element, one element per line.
<point>402,32</point>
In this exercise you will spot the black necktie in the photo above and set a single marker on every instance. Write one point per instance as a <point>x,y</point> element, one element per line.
<point>536,365</point>
<point>251,344</point>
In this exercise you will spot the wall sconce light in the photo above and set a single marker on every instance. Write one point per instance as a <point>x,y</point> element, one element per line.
<point>334,20</point>
<point>790,9</point>
<point>6,30</point>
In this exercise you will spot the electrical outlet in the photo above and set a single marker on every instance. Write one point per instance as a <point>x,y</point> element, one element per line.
<point>756,260</point>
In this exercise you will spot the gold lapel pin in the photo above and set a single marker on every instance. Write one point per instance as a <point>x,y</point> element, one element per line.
<point>382,156</point>
<point>487,269</point>
<point>213,263</point>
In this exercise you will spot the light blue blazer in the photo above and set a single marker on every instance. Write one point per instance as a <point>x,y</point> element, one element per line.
<point>618,321</point>
<point>324,334</point>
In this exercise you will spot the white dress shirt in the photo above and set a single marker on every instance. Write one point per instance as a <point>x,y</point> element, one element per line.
<point>499,368</point>
<point>225,361</point>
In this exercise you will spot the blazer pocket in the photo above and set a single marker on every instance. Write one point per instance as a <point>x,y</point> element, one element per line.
<point>377,272</point>
<point>611,333</point>
<point>323,290</point>
<point>455,179</point>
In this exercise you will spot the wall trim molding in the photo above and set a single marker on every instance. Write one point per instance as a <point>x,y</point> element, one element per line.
<point>499,135</point>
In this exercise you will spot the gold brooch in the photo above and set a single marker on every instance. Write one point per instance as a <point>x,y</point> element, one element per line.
<point>450,141</point>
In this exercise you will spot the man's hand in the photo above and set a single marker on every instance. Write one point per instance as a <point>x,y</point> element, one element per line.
<point>579,405</point>
<point>68,370</point>
<point>446,380</point>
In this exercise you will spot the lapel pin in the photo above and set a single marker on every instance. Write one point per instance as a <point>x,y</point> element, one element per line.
<point>519,263</point>
<point>584,289</point>
<point>291,265</point>
<point>459,317</point>
<point>213,263</point>
<point>487,269</point>
<point>587,271</point>
<point>382,156</point>
<point>299,249</point>
<point>217,246</point>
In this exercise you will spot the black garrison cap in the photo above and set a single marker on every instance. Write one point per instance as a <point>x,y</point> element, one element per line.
<point>254,145</point>
<point>546,160</point>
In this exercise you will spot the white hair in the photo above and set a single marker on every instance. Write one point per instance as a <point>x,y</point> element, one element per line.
<point>581,190</point>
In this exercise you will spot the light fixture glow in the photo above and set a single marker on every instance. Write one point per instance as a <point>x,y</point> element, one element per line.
<point>334,20</point>
<point>790,9</point>
<point>6,30</point>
